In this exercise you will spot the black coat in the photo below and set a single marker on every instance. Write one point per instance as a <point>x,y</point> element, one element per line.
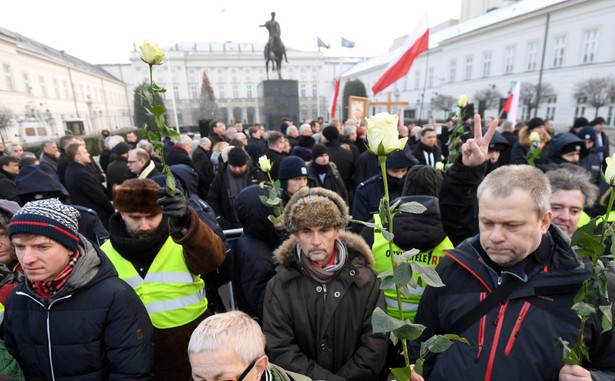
<point>525,329</point>
<point>344,161</point>
<point>85,190</point>
<point>418,150</point>
<point>205,170</point>
<point>95,328</point>
<point>254,263</point>
<point>367,198</point>
<point>220,199</point>
<point>275,157</point>
<point>332,181</point>
<point>256,148</point>
<point>178,155</point>
<point>117,173</point>
<point>8,190</point>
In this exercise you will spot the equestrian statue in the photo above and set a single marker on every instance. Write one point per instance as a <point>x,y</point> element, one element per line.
<point>274,49</point>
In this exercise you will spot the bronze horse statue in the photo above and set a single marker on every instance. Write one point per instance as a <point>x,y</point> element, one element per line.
<point>274,52</point>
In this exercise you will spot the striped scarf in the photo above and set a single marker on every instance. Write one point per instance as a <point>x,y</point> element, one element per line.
<point>49,288</point>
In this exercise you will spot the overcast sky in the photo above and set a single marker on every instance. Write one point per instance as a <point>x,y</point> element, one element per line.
<point>106,31</point>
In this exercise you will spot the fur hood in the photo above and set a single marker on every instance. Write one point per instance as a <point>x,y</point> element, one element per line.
<point>354,243</point>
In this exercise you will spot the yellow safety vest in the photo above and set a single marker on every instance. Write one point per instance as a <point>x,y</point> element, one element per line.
<point>584,219</point>
<point>1,313</point>
<point>382,263</point>
<point>171,294</point>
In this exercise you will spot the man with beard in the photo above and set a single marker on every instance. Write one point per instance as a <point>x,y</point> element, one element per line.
<point>160,247</point>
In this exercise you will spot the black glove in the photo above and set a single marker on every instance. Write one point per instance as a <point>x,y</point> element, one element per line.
<point>175,207</point>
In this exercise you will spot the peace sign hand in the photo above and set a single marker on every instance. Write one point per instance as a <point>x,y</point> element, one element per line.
<point>474,151</point>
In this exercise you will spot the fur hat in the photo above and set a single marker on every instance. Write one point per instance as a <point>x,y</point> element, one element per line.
<point>49,218</point>
<point>136,196</point>
<point>316,206</point>
<point>331,133</point>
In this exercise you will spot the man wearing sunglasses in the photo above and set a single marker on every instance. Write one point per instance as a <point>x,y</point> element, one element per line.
<point>231,347</point>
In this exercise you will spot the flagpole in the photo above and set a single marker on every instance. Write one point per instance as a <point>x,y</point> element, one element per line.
<point>424,86</point>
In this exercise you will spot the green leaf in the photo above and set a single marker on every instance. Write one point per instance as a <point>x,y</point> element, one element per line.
<point>568,355</point>
<point>428,274</point>
<point>387,235</point>
<point>412,207</point>
<point>158,110</point>
<point>404,290</point>
<point>394,206</point>
<point>452,336</point>
<point>368,224</point>
<point>387,283</point>
<point>413,283</point>
<point>580,296</point>
<point>401,374</point>
<point>408,255</point>
<point>602,285</point>
<point>385,274</point>
<point>418,366</point>
<point>170,183</point>
<point>174,134</point>
<point>438,344</point>
<point>402,274</point>
<point>409,331</point>
<point>393,338</point>
<point>382,323</point>
<point>583,309</point>
<point>607,317</point>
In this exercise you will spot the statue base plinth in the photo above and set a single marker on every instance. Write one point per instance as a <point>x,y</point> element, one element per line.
<point>279,98</point>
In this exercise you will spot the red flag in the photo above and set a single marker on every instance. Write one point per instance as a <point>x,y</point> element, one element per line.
<point>512,103</point>
<point>415,44</point>
<point>336,89</point>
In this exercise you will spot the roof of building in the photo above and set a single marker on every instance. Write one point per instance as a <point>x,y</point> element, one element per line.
<point>435,39</point>
<point>31,45</point>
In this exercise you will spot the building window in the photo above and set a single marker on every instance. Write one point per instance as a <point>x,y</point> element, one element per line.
<point>193,92</point>
<point>8,76</point>
<point>430,77</point>
<point>26,83</point>
<point>559,45</point>
<point>235,91</point>
<point>249,91</point>
<point>66,93</point>
<point>302,90</point>
<point>180,118</point>
<point>486,64</point>
<point>532,55</point>
<point>56,87</point>
<point>590,45</point>
<point>468,67</point>
<point>509,59</point>
<point>452,70</point>
<point>315,89</point>
<point>221,91</point>
<point>176,91</point>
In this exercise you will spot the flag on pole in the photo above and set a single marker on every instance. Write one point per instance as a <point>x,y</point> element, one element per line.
<point>321,44</point>
<point>512,103</point>
<point>336,90</point>
<point>400,64</point>
<point>400,114</point>
<point>347,43</point>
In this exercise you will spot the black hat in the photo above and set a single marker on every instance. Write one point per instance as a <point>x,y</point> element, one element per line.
<point>535,123</point>
<point>291,167</point>
<point>237,157</point>
<point>319,150</point>
<point>580,122</point>
<point>587,133</point>
<point>331,133</point>
<point>121,148</point>
<point>400,159</point>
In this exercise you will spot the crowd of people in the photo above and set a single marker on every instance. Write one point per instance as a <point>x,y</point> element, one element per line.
<point>107,273</point>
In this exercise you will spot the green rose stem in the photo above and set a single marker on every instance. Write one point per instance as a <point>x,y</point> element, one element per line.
<point>387,204</point>
<point>169,179</point>
<point>577,349</point>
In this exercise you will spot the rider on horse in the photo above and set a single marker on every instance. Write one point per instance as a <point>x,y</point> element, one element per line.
<point>274,31</point>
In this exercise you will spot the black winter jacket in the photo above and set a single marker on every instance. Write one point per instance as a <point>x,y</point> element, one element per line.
<point>205,170</point>
<point>332,180</point>
<point>518,339</point>
<point>86,190</point>
<point>325,331</point>
<point>95,328</point>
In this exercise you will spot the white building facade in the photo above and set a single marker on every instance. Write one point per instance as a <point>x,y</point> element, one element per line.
<point>557,42</point>
<point>45,92</point>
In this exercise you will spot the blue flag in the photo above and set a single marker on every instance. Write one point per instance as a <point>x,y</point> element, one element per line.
<point>347,43</point>
<point>321,44</point>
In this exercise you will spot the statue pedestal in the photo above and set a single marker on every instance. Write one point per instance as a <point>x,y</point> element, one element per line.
<point>279,98</point>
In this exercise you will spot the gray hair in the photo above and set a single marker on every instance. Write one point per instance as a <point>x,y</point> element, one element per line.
<point>574,178</point>
<point>350,130</point>
<point>502,181</point>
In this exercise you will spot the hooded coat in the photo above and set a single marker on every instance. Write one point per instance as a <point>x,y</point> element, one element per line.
<point>95,328</point>
<point>324,330</point>
<point>254,262</point>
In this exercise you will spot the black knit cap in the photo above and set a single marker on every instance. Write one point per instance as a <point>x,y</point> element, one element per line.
<point>331,133</point>
<point>319,150</point>
<point>49,218</point>
<point>535,123</point>
<point>237,157</point>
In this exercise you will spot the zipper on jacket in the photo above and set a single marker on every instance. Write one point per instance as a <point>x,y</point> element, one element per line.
<point>516,328</point>
<point>496,337</point>
<point>324,291</point>
<point>481,328</point>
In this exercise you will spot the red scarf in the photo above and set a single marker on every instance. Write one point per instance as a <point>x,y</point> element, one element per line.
<point>48,288</point>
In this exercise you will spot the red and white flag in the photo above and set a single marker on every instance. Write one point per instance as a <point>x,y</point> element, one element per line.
<point>336,89</point>
<point>415,44</point>
<point>512,103</point>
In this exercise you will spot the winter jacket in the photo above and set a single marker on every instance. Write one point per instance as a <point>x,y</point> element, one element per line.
<point>202,251</point>
<point>420,149</point>
<point>86,190</point>
<point>7,187</point>
<point>254,262</point>
<point>178,155</point>
<point>423,232</point>
<point>332,180</point>
<point>117,173</point>
<point>276,158</point>
<point>221,199</point>
<point>344,161</point>
<point>516,340</point>
<point>256,148</point>
<point>324,330</point>
<point>367,198</point>
<point>94,328</point>
<point>205,170</point>
<point>52,162</point>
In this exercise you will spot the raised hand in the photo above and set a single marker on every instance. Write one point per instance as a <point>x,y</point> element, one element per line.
<point>474,150</point>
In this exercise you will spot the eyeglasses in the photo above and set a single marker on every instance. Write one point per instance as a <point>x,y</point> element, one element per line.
<point>131,161</point>
<point>241,376</point>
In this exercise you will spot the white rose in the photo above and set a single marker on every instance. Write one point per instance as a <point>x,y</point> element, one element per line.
<point>382,136</point>
<point>151,53</point>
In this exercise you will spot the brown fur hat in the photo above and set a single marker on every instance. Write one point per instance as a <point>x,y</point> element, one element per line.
<point>136,196</point>
<point>311,207</point>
